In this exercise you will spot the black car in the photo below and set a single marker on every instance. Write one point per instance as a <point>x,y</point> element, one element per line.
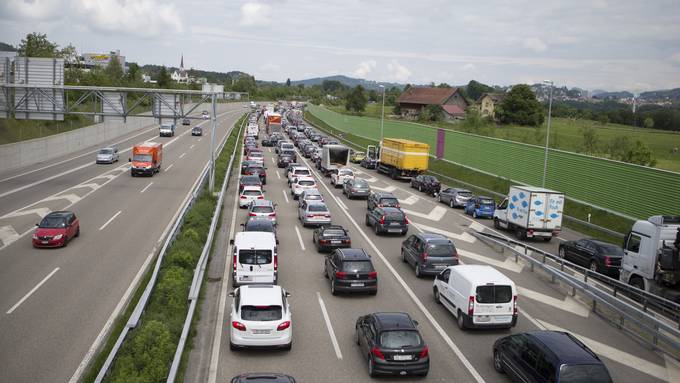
<point>249,180</point>
<point>260,377</point>
<point>260,224</point>
<point>429,253</point>
<point>387,220</point>
<point>426,184</point>
<point>351,270</point>
<point>284,160</point>
<point>548,356</point>
<point>598,256</point>
<point>392,344</point>
<point>328,237</point>
<point>257,169</point>
<point>267,141</point>
<point>245,164</point>
<point>196,131</point>
<point>381,199</point>
<point>369,163</point>
<point>186,121</point>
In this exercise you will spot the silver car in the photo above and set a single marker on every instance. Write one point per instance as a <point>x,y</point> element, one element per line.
<point>314,213</point>
<point>357,187</point>
<point>107,155</point>
<point>262,208</point>
<point>454,197</point>
<point>310,195</point>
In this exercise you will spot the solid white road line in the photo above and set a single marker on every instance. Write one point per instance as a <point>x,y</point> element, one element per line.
<point>342,205</point>
<point>192,146</point>
<point>273,160</point>
<point>285,195</point>
<point>110,220</point>
<point>146,187</point>
<point>329,326</point>
<point>302,244</point>
<point>168,168</point>
<point>277,174</point>
<point>22,300</point>
<point>182,155</point>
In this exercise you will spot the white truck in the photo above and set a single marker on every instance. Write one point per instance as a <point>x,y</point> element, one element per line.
<point>253,130</point>
<point>651,256</point>
<point>530,212</point>
<point>333,157</point>
<point>167,129</point>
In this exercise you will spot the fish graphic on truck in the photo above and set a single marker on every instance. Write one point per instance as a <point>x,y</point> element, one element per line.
<point>531,212</point>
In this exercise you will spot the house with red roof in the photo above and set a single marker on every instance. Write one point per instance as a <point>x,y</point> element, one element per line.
<point>412,101</point>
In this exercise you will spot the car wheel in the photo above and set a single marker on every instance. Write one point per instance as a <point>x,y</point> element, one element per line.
<point>496,224</point>
<point>368,222</point>
<point>333,289</point>
<point>439,198</point>
<point>289,346</point>
<point>593,267</point>
<point>419,273</point>
<point>371,370</point>
<point>547,239</point>
<point>519,233</point>
<point>65,242</point>
<point>420,188</point>
<point>437,298</point>
<point>460,320</point>
<point>403,256</point>
<point>356,335</point>
<point>78,232</point>
<point>497,364</point>
<point>377,230</point>
<point>233,347</point>
<point>374,292</point>
<point>451,203</point>
<point>325,273</point>
<point>562,253</point>
<point>637,283</point>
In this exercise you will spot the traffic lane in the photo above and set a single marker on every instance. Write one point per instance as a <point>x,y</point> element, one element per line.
<point>300,272</point>
<point>103,263</point>
<point>21,191</point>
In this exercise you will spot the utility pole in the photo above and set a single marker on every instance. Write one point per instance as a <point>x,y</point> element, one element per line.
<point>212,142</point>
<point>547,134</point>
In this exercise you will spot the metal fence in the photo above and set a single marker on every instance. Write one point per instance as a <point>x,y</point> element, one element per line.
<point>133,321</point>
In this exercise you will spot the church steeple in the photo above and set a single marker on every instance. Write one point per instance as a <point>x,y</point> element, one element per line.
<point>181,63</point>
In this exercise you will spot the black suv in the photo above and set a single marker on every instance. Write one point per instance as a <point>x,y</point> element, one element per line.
<point>429,253</point>
<point>548,356</point>
<point>381,199</point>
<point>350,270</point>
<point>426,184</point>
<point>328,237</point>
<point>392,344</point>
<point>387,220</point>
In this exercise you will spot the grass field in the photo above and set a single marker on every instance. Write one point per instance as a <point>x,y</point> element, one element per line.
<point>632,190</point>
<point>12,130</point>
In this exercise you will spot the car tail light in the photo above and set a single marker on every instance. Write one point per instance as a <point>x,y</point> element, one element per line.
<point>514,305</point>
<point>607,261</point>
<point>283,326</point>
<point>377,353</point>
<point>406,221</point>
<point>373,275</point>
<point>323,241</point>
<point>327,215</point>
<point>471,305</point>
<point>276,262</point>
<point>234,263</point>
<point>252,215</point>
<point>310,215</point>
<point>260,197</point>
<point>272,214</point>
<point>424,255</point>
<point>238,325</point>
<point>397,206</point>
<point>347,241</point>
<point>382,220</point>
<point>243,197</point>
<point>381,205</point>
<point>425,352</point>
<point>340,275</point>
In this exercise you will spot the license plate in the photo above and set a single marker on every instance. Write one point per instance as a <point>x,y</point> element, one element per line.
<point>260,332</point>
<point>403,357</point>
<point>357,284</point>
<point>244,278</point>
<point>336,241</point>
<point>439,266</point>
<point>394,231</point>
<point>394,224</point>
<point>482,318</point>
<point>45,242</point>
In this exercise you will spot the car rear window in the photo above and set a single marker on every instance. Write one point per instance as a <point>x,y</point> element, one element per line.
<point>360,184</point>
<point>485,201</point>
<point>301,172</point>
<point>394,216</point>
<point>357,266</point>
<point>252,192</point>
<point>255,154</point>
<point>317,207</point>
<point>389,202</point>
<point>612,250</point>
<point>582,373</point>
<point>313,197</point>
<point>262,209</point>
<point>333,233</point>
<point>399,339</point>
<point>306,183</point>
<point>259,225</point>
<point>441,250</point>
<point>465,194</point>
<point>254,257</point>
<point>261,313</point>
<point>494,294</point>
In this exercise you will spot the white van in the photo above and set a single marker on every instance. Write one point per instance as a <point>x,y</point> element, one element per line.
<point>477,295</point>
<point>255,260</point>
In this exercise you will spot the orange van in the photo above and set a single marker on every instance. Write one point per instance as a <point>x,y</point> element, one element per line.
<point>146,158</point>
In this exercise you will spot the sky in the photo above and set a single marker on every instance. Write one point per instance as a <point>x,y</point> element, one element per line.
<point>591,44</point>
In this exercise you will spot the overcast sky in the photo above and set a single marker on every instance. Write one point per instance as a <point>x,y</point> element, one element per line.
<point>592,44</point>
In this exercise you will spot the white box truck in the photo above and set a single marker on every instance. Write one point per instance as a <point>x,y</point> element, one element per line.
<point>334,157</point>
<point>253,130</point>
<point>651,256</point>
<point>530,212</point>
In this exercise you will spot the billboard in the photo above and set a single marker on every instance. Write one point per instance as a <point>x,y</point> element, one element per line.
<point>39,103</point>
<point>102,59</point>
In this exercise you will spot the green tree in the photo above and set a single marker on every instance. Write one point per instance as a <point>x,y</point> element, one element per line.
<point>396,109</point>
<point>114,71</point>
<point>590,140</point>
<point>37,45</point>
<point>287,82</point>
<point>164,80</point>
<point>332,86</point>
<point>648,123</point>
<point>356,100</point>
<point>133,74</point>
<point>521,107</point>
<point>475,89</point>
<point>431,113</point>
<point>245,83</point>
<point>372,95</point>
<point>603,118</point>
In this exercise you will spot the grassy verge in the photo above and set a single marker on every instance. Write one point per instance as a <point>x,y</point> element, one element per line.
<point>12,130</point>
<point>500,185</point>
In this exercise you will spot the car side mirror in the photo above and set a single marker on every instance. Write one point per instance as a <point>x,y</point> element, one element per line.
<point>129,159</point>
<point>37,224</point>
<point>231,241</point>
<point>288,294</point>
<point>415,322</point>
<point>231,294</point>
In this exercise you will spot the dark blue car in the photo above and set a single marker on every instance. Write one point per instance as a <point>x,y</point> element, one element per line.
<point>480,207</point>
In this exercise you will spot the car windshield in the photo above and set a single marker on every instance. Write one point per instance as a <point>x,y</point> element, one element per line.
<point>493,294</point>
<point>142,158</point>
<point>250,180</point>
<point>252,193</point>
<point>389,202</point>
<point>313,197</point>
<point>306,183</point>
<point>399,339</point>
<point>582,373</point>
<point>106,151</point>
<point>333,233</point>
<point>357,266</point>
<point>317,207</point>
<point>262,209</point>
<point>261,313</point>
<point>429,179</point>
<point>52,222</point>
<point>441,250</point>
<point>345,172</point>
<point>254,257</point>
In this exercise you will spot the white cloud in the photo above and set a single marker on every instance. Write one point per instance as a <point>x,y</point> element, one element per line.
<point>255,14</point>
<point>469,67</point>
<point>270,67</point>
<point>397,71</point>
<point>30,10</point>
<point>535,44</point>
<point>146,18</point>
<point>365,67</point>
<point>676,58</point>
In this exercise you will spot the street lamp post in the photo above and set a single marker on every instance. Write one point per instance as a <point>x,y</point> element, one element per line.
<point>382,115</point>
<point>547,134</point>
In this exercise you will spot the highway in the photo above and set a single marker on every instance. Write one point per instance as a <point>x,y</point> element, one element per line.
<point>323,324</point>
<point>57,304</point>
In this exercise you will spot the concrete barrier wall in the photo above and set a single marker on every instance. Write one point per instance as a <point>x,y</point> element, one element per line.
<point>26,153</point>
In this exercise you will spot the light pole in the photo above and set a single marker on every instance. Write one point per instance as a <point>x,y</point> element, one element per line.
<point>213,127</point>
<point>547,134</point>
<point>382,115</point>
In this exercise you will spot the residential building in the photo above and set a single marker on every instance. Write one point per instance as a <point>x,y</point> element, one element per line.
<point>414,99</point>
<point>488,102</point>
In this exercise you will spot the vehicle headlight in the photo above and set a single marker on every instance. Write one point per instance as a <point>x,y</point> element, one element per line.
<point>58,236</point>
<point>35,236</point>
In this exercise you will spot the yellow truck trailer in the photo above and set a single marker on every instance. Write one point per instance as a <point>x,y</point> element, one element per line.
<point>400,158</point>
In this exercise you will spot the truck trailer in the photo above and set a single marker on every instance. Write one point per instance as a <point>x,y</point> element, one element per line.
<point>333,157</point>
<point>530,212</point>
<point>400,158</point>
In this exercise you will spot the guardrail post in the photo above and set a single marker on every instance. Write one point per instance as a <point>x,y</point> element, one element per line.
<point>585,276</point>
<point>655,339</point>
<point>594,306</point>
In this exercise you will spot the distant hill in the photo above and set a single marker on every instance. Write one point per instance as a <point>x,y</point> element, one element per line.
<point>7,47</point>
<point>661,95</point>
<point>613,95</point>
<point>349,81</point>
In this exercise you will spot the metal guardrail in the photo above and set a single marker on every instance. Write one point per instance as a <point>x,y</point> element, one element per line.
<point>133,321</point>
<point>569,218</point>
<point>657,332</point>
<point>197,281</point>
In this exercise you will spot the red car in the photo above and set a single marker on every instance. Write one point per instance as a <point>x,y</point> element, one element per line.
<point>56,229</point>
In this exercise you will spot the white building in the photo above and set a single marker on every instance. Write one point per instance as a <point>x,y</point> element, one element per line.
<point>181,76</point>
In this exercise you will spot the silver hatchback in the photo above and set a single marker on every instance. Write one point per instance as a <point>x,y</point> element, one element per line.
<point>314,213</point>
<point>454,197</point>
<point>107,155</point>
<point>262,208</point>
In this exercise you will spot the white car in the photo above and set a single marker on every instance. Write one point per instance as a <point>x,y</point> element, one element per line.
<point>205,115</point>
<point>342,175</point>
<point>301,184</point>
<point>298,171</point>
<point>249,194</point>
<point>260,317</point>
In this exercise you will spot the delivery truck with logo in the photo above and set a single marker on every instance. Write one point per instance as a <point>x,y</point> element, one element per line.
<point>146,159</point>
<point>530,212</point>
